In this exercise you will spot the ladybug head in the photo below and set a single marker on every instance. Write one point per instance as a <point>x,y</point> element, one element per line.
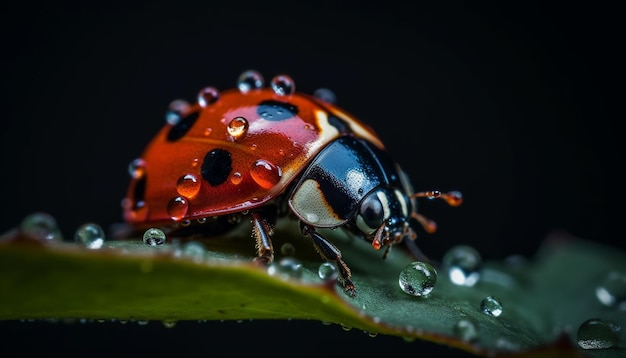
<point>383,217</point>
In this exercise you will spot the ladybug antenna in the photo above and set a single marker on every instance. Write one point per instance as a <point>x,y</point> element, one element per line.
<point>453,198</point>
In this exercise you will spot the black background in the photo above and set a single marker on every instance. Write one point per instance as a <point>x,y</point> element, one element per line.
<point>515,106</point>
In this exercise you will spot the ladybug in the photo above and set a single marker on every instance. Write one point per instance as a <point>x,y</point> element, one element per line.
<point>268,152</point>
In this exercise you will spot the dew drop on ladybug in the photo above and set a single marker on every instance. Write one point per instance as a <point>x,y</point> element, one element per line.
<point>250,80</point>
<point>236,178</point>
<point>283,85</point>
<point>188,186</point>
<point>137,168</point>
<point>208,96</point>
<point>325,95</point>
<point>265,173</point>
<point>177,208</point>
<point>176,110</point>
<point>237,127</point>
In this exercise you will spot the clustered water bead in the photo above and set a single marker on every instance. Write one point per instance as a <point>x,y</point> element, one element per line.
<point>91,235</point>
<point>418,278</point>
<point>491,306</point>
<point>154,237</point>
<point>462,263</point>
<point>596,333</point>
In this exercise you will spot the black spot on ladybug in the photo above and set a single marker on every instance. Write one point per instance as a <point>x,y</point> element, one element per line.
<point>276,111</point>
<point>217,166</point>
<point>139,193</point>
<point>182,127</point>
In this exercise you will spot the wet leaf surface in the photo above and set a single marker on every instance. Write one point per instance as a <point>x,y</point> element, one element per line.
<point>544,299</point>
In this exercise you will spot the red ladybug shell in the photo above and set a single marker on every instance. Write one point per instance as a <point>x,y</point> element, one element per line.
<point>231,155</point>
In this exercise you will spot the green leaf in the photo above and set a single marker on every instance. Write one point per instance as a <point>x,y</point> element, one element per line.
<point>544,300</point>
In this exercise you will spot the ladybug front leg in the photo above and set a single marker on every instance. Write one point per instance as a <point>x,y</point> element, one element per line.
<point>330,252</point>
<point>262,230</point>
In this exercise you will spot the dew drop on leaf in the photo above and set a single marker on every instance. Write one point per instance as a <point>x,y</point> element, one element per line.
<point>287,267</point>
<point>595,333</point>
<point>465,329</point>
<point>90,235</point>
<point>462,263</point>
<point>154,237</point>
<point>418,278</point>
<point>41,226</point>
<point>169,323</point>
<point>611,291</point>
<point>328,271</point>
<point>491,306</point>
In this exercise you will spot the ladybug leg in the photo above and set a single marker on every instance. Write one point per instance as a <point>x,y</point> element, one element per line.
<point>330,252</point>
<point>262,230</point>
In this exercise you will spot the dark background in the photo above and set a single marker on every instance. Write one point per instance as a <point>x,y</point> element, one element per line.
<point>515,106</point>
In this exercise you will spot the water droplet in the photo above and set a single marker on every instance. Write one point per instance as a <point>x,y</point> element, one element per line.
<point>137,168</point>
<point>154,237</point>
<point>328,271</point>
<point>237,127</point>
<point>208,96</point>
<point>418,278</point>
<point>207,131</point>
<point>465,329</point>
<point>143,322</point>
<point>201,220</point>
<point>287,267</point>
<point>91,235</point>
<point>175,111</point>
<point>250,80</point>
<point>325,95</point>
<point>611,291</point>
<point>265,173</point>
<point>463,265</point>
<point>177,208</point>
<point>169,323</point>
<point>236,178</point>
<point>597,334</point>
<point>41,226</point>
<point>287,249</point>
<point>491,305</point>
<point>283,85</point>
<point>193,250</point>
<point>188,185</point>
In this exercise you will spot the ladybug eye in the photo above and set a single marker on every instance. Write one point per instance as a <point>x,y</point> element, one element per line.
<point>371,213</point>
